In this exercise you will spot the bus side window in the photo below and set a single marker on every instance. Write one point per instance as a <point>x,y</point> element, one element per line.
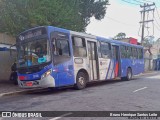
<point>106,50</point>
<point>130,53</point>
<point>135,53</point>
<point>99,50</point>
<point>123,52</point>
<point>140,53</point>
<point>54,47</point>
<point>79,47</point>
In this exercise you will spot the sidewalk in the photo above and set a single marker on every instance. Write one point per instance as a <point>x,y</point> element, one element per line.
<point>8,88</point>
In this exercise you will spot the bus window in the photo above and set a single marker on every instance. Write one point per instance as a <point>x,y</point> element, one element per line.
<point>127,52</point>
<point>130,53</point>
<point>79,47</point>
<point>123,52</point>
<point>140,53</point>
<point>61,51</point>
<point>106,50</point>
<point>135,53</point>
<point>99,50</point>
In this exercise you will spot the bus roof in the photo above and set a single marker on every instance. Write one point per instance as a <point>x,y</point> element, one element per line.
<point>118,42</point>
<point>86,35</point>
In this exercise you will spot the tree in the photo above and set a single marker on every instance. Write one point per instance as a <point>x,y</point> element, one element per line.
<point>120,35</point>
<point>18,15</point>
<point>148,43</point>
<point>158,40</point>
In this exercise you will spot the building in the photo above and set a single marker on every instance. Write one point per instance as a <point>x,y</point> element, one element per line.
<point>5,59</point>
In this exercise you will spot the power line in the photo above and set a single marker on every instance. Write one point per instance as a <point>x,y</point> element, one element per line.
<point>130,2</point>
<point>138,1</point>
<point>146,8</point>
<point>147,1</point>
<point>120,21</point>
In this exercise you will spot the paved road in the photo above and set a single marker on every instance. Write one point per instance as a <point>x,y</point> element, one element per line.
<point>140,94</point>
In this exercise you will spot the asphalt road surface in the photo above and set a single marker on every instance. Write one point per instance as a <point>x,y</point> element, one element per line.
<point>140,94</point>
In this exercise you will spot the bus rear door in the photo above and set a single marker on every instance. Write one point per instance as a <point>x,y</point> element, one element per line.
<point>117,61</point>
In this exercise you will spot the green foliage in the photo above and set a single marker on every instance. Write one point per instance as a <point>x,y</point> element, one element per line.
<point>120,35</point>
<point>19,15</point>
<point>148,41</point>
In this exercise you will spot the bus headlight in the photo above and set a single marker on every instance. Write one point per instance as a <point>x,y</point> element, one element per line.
<point>47,73</point>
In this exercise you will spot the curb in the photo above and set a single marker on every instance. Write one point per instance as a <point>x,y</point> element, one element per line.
<point>18,92</point>
<point>148,73</point>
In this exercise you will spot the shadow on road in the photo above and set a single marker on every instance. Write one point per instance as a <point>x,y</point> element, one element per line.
<point>93,84</point>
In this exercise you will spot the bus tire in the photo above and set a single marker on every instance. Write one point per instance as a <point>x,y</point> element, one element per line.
<point>81,81</point>
<point>129,75</point>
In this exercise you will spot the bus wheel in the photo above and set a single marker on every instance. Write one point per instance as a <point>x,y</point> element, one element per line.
<point>129,75</point>
<point>81,81</point>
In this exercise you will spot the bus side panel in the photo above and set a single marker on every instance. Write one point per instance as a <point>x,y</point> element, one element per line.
<point>125,63</point>
<point>64,72</point>
<point>134,67</point>
<point>139,66</point>
<point>106,69</point>
<point>81,64</point>
<point>111,73</point>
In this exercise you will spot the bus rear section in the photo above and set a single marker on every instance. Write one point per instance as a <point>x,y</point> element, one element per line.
<point>132,61</point>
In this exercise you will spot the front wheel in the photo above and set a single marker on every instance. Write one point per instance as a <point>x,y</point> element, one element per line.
<point>81,81</point>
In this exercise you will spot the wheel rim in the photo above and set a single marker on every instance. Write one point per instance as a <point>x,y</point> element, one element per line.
<point>129,74</point>
<point>81,81</point>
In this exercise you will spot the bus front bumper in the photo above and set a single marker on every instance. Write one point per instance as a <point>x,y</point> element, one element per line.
<point>46,82</point>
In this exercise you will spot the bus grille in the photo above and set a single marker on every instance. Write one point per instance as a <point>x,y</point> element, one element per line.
<point>29,70</point>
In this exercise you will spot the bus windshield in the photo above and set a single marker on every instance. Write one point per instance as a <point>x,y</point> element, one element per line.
<point>34,52</point>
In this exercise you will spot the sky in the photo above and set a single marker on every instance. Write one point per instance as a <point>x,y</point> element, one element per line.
<point>125,17</point>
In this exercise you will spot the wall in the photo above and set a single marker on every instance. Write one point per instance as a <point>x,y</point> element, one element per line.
<point>7,39</point>
<point>5,65</point>
<point>5,59</point>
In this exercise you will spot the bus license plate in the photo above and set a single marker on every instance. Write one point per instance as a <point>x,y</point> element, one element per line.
<point>29,84</point>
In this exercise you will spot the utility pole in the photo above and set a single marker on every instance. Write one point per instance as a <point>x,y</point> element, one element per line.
<point>146,8</point>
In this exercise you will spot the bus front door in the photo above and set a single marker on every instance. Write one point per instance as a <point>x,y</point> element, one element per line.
<point>117,62</point>
<point>92,53</point>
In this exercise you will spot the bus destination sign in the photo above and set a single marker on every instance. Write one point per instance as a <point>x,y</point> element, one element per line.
<point>32,33</point>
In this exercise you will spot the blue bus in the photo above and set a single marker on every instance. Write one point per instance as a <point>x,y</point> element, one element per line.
<point>53,57</point>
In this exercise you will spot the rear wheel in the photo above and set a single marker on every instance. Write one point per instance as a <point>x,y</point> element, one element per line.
<point>129,75</point>
<point>81,81</point>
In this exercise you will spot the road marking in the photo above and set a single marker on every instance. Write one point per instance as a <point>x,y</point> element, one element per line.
<point>140,89</point>
<point>56,118</point>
